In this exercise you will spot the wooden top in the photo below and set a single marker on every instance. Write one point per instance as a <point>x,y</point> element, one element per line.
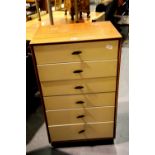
<point>33,25</point>
<point>59,19</point>
<point>75,33</point>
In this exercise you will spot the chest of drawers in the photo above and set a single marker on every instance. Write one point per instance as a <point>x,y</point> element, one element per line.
<point>77,66</point>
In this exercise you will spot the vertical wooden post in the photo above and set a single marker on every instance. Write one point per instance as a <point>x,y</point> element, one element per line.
<point>37,7</point>
<point>50,12</point>
<point>76,10</point>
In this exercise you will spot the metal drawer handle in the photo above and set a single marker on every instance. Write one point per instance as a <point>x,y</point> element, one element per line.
<point>80,116</point>
<point>79,102</point>
<point>81,131</point>
<point>78,87</point>
<point>78,71</point>
<point>76,52</point>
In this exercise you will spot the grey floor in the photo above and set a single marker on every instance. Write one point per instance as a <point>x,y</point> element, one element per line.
<point>38,143</point>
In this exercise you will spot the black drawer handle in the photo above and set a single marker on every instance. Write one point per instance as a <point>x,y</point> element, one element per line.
<point>79,102</point>
<point>81,131</point>
<point>78,71</point>
<point>79,87</point>
<point>76,52</point>
<point>80,116</point>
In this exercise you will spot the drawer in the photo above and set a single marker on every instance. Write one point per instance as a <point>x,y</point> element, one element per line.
<point>81,115</point>
<point>79,101</point>
<point>100,50</point>
<point>81,131</point>
<point>66,71</point>
<point>79,86</point>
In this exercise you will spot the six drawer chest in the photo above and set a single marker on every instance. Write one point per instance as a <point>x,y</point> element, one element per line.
<point>77,66</point>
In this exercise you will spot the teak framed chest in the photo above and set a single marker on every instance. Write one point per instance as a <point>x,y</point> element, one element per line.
<point>77,66</point>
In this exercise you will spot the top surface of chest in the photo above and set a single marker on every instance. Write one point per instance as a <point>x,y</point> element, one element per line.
<point>75,33</point>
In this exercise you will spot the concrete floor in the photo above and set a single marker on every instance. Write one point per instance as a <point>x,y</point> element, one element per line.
<point>38,143</point>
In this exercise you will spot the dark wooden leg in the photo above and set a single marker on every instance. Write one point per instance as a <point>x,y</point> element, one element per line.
<point>80,15</point>
<point>88,14</point>
<point>72,13</point>
<point>65,12</point>
<point>72,17</point>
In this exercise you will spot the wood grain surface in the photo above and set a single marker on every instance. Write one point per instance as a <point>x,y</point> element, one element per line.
<point>59,19</point>
<point>75,33</point>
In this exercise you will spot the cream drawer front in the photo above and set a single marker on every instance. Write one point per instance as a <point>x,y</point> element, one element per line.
<point>81,115</point>
<point>79,101</point>
<point>72,132</point>
<point>100,50</point>
<point>79,86</point>
<point>66,71</point>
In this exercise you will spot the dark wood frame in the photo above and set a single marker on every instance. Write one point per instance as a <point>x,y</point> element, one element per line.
<point>39,85</point>
<point>117,84</point>
<point>82,141</point>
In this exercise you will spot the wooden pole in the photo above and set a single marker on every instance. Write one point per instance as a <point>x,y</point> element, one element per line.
<point>76,10</point>
<point>37,7</point>
<point>50,12</point>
